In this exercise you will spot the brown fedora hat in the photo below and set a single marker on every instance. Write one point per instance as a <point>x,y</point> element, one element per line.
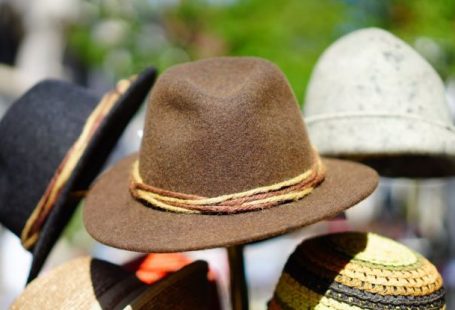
<point>86,283</point>
<point>225,159</point>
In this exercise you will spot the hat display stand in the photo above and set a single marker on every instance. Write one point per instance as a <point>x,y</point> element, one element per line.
<point>237,278</point>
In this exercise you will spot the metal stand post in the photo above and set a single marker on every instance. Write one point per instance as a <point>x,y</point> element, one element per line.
<point>238,286</point>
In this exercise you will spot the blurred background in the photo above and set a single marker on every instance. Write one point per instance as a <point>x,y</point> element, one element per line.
<point>94,43</point>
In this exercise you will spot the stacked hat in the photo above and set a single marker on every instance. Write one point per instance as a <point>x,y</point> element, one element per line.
<point>54,141</point>
<point>354,270</point>
<point>374,99</point>
<point>225,159</point>
<point>86,283</point>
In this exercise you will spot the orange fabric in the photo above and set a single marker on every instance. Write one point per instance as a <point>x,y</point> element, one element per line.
<point>156,266</point>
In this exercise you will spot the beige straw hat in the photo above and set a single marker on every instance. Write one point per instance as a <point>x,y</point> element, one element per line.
<point>86,283</point>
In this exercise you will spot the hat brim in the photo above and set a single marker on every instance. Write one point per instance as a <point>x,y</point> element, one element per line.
<point>187,288</point>
<point>394,145</point>
<point>90,164</point>
<point>112,216</point>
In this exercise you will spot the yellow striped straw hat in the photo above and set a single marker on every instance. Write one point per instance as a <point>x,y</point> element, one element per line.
<point>354,270</point>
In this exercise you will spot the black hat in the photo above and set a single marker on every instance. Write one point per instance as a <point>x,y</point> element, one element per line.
<point>53,142</point>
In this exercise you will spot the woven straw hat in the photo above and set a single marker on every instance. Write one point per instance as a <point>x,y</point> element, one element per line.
<point>372,98</point>
<point>86,283</point>
<point>225,159</point>
<point>354,270</point>
<point>54,140</point>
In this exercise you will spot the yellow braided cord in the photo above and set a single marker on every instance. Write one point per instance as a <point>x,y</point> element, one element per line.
<point>30,232</point>
<point>195,204</point>
<point>137,178</point>
<point>150,198</point>
<point>287,197</point>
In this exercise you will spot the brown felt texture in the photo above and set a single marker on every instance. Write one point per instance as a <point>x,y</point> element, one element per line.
<point>221,126</point>
<point>214,127</point>
<point>113,217</point>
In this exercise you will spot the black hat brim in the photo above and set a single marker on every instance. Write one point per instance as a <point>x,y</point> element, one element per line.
<point>90,165</point>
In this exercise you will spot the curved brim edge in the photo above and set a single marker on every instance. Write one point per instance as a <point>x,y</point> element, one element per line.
<point>113,217</point>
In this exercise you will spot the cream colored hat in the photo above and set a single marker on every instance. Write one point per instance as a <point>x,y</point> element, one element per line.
<point>86,283</point>
<point>373,98</point>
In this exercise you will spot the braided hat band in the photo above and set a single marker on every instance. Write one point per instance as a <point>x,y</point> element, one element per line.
<point>33,225</point>
<point>357,271</point>
<point>255,199</point>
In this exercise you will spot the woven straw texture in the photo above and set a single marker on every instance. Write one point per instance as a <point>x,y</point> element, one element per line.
<point>357,271</point>
<point>82,283</point>
<point>86,283</point>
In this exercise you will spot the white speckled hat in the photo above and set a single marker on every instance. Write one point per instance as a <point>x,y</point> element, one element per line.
<point>373,98</point>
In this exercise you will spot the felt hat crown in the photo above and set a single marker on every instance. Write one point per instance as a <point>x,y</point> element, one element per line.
<point>86,283</point>
<point>224,147</point>
<point>353,270</point>
<point>243,122</point>
<point>54,140</point>
<point>372,97</point>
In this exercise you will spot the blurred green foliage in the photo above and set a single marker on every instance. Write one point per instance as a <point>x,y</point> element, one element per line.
<point>122,37</point>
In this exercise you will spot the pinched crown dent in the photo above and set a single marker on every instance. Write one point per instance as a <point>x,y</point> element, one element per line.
<point>223,125</point>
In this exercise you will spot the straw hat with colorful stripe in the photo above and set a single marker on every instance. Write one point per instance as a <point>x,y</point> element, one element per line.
<point>356,270</point>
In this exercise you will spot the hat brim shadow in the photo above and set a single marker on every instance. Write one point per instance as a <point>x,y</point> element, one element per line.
<point>112,216</point>
<point>90,165</point>
<point>394,145</point>
<point>187,288</point>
